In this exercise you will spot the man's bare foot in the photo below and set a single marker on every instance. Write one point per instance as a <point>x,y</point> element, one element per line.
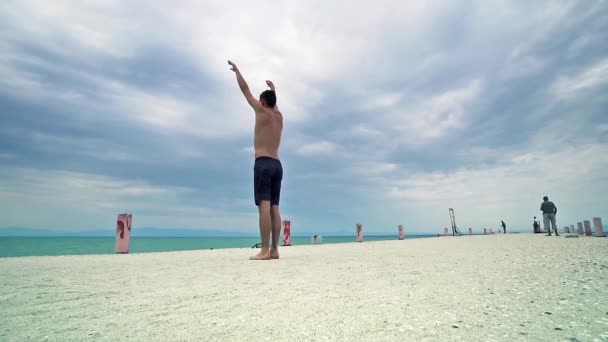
<point>263,255</point>
<point>274,253</point>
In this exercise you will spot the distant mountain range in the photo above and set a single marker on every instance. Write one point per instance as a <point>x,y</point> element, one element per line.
<point>163,232</point>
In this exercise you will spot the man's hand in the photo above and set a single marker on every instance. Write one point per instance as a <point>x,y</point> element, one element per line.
<point>244,87</point>
<point>270,84</point>
<point>233,66</point>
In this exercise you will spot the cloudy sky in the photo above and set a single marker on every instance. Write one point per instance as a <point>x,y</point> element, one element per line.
<point>394,112</point>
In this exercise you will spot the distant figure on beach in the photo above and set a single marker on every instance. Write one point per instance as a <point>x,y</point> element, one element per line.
<point>267,170</point>
<point>549,211</point>
<point>536,225</point>
<point>504,227</point>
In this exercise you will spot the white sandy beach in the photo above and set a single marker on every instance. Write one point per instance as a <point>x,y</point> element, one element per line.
<point>491,288</point>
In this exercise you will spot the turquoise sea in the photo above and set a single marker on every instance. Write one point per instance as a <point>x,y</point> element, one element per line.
<point>32,246</point>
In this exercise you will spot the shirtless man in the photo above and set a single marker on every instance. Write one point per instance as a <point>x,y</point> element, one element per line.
<point>267,170</point>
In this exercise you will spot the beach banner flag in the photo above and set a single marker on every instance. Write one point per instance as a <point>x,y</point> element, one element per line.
<point>359,232</point>
<point>581,231</point>
<point>401,232</point>
<point>286,233</point>
<point>445,231</point>
<point>599,229</point>
<point>588,228</point>
<point>470,231</point>
<point>123,233</point>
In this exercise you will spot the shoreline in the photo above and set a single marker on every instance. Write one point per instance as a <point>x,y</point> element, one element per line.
<point>56,246</point>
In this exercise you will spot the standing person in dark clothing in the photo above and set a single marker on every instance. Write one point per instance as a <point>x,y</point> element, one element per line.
<point>536,226</point>
<point>504,227</point>
<point>549,211</point>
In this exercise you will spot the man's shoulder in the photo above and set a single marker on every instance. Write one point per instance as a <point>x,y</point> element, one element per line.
<point>268,111</point>
<point>277,112</point>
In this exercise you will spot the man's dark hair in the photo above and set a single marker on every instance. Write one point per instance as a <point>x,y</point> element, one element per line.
<point>270,97</point>
<point>545,198</point>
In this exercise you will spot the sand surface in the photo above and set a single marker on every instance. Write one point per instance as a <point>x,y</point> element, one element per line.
<point>490,288</point>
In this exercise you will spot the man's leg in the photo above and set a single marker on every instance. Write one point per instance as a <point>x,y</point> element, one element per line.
<point>275,217</point>
<point>554,224</point>
<point>265,226</point>
<point>547,224</point>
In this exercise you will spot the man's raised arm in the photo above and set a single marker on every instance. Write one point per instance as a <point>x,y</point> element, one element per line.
<point>244,87</point>
<point>271,86</point>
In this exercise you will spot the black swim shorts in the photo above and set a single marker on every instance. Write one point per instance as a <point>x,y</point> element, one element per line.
<point>267,176</point>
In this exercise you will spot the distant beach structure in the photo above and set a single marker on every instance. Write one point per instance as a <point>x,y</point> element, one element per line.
<point>599,229</point>
<point>286,233</point>
<point>359,232</point>
<point>587,226</point>
<point>123,233</point>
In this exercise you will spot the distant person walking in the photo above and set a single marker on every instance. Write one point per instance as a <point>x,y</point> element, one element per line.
<point>549,211</point>
<point>504,226</point>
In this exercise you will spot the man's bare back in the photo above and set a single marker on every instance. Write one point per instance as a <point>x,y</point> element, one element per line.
<point>268,129</point>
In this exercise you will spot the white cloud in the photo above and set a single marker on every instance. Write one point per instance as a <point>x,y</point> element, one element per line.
<point>374,169</point>
<point>321,148</point>
<point>382,101</point>
<point>583,43</point>
<point>432,119</point>
<point>366,132</point>
<point>89,147</point>
<point>93,27</point>
<point>513,187</point>
<point>522,67</point>
<point>569,86</point>
<point>71,200</point>
<point>250,150</point>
